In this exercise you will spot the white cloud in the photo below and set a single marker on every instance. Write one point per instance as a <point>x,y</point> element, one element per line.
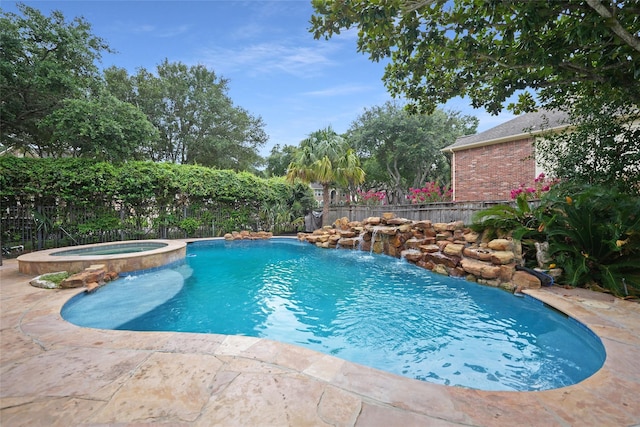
<point>338,90</point>
<point>266,58</point>
<point>151,30</point>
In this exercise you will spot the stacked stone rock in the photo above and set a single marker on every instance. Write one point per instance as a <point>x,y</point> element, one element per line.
<point>445,248</point>
<point>248,235</point>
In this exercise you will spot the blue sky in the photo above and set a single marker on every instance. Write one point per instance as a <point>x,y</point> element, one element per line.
<point>276,69</point>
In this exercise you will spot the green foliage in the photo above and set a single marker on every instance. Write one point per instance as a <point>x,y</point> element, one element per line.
<point>56,278</point>
<point>594,236</point>
<point>517,219</point>
<point>601,145</point>
<point>43,61</point>
<point>326,158</point>
<point>99,127</point>
<point>55,103</point>
<point>580,57</point>
<point>402,150</point>
<point>196,119</point>
<point>489,50</point>
<point>144,192</point>
<point>105,222</point>
<point>189,226</point>
<point>279,160</point>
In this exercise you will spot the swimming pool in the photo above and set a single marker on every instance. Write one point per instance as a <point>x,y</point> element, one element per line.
<point>370,309</point>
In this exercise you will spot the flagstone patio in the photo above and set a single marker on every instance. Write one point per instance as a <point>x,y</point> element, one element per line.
<point>53,373</point>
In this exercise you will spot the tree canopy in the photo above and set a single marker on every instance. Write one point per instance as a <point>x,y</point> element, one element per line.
<point>490,50</point>
<point>99,127</point>
<point>43,61</point>
<point>578,56</point>
<point>56,102</point>
<point>402,150</point>
<point>197,120</point>
<point>279,159</point>
<point>602,148</point>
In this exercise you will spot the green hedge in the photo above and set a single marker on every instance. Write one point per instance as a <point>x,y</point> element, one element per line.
<point>86,182</point>
<point>146,194</point>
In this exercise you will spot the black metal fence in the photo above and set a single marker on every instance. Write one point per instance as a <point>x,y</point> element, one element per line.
<point>29,228</point>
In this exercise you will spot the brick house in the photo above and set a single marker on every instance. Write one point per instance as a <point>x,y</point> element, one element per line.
<point>488,165</point>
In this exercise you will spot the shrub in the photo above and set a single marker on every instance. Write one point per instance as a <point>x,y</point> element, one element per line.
<point>594,236</point>
<point>429,193</point>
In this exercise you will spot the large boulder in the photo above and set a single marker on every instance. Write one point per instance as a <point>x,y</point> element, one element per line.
<point>439,258</point>
<point>501,245</point>
<point>480,269</point>
<point>94,273</point>
<point>524,280</point>
<point>478,253</point>
<point>453,249</point>
<point>412,255</point>
<point>502,257</point>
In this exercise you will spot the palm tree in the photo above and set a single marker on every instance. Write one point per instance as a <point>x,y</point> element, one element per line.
<point>324,157</point>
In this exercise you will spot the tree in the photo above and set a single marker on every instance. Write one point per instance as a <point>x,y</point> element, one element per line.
<point>489,50</point>
<point>43,61</point>
<point>402,150</point>
<point>577,56</point>
<point>325,158</point>
<point>100,127</point>
<point>198,122</point>
<point>279,159</point>
<point>601,145</point>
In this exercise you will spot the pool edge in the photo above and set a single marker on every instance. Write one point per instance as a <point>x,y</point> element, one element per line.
<point>41,262</point>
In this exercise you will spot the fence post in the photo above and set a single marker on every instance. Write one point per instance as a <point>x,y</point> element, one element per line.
<point>39,237</point>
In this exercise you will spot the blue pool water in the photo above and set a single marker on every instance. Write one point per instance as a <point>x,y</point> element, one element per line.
<point>370,309</point>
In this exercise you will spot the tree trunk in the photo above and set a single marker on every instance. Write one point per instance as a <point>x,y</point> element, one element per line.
<point>325,204</point>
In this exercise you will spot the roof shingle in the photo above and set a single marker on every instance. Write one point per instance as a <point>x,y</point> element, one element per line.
<point>524,124</point>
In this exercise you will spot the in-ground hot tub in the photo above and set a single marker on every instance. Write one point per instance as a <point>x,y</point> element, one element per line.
<point>121,257</point>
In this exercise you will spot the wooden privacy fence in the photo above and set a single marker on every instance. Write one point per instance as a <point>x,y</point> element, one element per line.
<point>436,212</point>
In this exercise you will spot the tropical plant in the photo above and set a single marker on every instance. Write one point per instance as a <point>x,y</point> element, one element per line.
<point>517,219</point>
<point>520,219</point>
<point>594,236</point>
<point>325,158</point>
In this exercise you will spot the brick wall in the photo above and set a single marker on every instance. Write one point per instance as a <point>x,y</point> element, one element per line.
<point>491,172</point>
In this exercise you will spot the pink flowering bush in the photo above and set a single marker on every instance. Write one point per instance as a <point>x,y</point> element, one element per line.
<point>430,192</point>
<point>540,186</point>
<point>371,197</point>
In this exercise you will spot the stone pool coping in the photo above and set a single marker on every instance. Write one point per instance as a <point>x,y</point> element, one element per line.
<point>46,261</point>
<point>55,373</point>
